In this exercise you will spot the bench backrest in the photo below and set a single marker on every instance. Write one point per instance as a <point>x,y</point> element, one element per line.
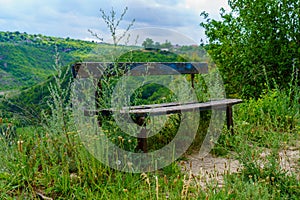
<point>97,69</point>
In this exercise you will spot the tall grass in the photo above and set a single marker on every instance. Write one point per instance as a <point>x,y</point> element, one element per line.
<point>266,128</point>
<point>51,161</point>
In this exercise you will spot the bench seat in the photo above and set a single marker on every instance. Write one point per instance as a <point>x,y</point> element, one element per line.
<point>167,108</point>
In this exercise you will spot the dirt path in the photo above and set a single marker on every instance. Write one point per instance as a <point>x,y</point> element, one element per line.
<point>211,169</point>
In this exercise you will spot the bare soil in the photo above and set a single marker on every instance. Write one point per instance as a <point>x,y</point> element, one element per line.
<point>211,169</point>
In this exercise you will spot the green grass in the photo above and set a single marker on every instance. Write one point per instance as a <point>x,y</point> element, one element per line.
<point>51,159</point>
<point>40,161</point>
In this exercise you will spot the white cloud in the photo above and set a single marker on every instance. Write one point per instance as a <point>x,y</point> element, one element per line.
<point>212,6</point>
<point>72,18</point>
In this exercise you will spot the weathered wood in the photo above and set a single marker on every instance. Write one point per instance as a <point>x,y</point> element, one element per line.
<point>142,136</point>
<point>229,118</point>
<point>158,105</point>
<point>169,108</point>
<point>192,80</point>
<point>97,69</point>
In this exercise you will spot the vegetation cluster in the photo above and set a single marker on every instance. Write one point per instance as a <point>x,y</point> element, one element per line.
<point>42,151</point>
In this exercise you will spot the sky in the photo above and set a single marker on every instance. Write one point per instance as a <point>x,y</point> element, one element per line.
<point>73,18</point>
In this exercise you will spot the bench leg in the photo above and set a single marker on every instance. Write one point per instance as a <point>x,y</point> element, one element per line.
<point>142,136</point>
<point>229,118</point>
<point>142,140</point>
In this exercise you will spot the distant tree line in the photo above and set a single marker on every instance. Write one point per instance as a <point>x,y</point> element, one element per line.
<point>63,44</point>
<point>150,44</point>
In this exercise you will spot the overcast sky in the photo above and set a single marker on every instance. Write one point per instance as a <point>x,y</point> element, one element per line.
<point>73,18</point>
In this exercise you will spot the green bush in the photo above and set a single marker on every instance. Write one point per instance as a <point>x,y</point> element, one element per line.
<point>252,41</point>
<point>275,108</point>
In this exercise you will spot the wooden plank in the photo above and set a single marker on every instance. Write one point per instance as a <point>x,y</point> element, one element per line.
<point>218,104</point>
<point>169,108</point>
<point>96,69</point>
<point>158,105</point>
<point>86,70</point>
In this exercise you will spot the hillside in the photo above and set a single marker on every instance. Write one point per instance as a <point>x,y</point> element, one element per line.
<point>28,103</point>
<point>27,66</point>
<point>26,60</point>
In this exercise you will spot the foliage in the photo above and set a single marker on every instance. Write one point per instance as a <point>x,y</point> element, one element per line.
<point>59,101</point>
<point>26,68</point>
<point>269,171</point>
<point>43,163</point>
<point>150,56</point>
<point>192,53</point>
<point>256,40</point>
<point>265,129</point>
<point>28,104</point>
<point>26,60</point>
<point>58,166</point>
<point>148,43</point>
<point>52,161</point>
<point>39,40</point>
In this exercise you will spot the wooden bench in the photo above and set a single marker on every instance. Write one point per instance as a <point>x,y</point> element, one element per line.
<point>141,112</point>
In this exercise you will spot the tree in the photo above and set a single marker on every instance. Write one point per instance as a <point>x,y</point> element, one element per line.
<point>167,44</point>
<point>256,44</point>
<point>157,45</point>
<point>148,43</point>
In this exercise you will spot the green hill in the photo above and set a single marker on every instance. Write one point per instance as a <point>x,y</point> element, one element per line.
<point>26,60</point>
<point>29,102</point>
<point>26,67</point>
